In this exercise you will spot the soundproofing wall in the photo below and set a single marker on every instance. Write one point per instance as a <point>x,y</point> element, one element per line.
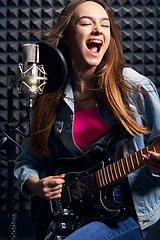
<point>22,21</point>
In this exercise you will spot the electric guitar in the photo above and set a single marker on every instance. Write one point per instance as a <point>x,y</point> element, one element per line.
<point>87,194</point>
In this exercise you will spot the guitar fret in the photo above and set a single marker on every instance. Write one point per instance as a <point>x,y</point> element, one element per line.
<point>147,150</point>
<point>123,167</point>
<point>127,164</point>
<point>108,174</point>
<point>132,161</point>
<point>99,179</point>
<point>154,148</point>
<point>102,178</point>
<point>119,170</point>
<point>137,158</point>
<point>115,170</point>
<point>110,167</point>
<point>141,152</point>
<point>105,175</point>
<point>151,147</point>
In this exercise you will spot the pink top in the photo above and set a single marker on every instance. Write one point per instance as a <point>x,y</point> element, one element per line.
<point>88,127</point>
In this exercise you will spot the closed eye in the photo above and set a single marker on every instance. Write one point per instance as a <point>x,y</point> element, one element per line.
<point>85,24</point>
<point>105,26</point>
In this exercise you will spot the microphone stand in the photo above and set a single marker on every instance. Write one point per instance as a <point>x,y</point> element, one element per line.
<point>9,132</point>
<point>11,157</point>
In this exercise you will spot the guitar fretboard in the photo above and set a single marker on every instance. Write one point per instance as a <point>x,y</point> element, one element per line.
<point>116,171</point>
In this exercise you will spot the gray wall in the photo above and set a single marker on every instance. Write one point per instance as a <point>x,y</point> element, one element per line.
<point>22,20</point>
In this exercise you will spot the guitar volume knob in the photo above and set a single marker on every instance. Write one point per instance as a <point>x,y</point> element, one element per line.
<point>58,238</point>
<point>65,212</point>
<point>62,226</point>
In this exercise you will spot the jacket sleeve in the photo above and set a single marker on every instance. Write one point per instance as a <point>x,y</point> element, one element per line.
<point>147,104</point>
<point>27,165</point>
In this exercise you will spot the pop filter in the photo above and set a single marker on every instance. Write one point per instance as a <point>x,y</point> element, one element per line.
<point>55,66</point>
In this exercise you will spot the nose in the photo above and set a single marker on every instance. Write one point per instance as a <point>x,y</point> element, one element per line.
<point>97,29</point>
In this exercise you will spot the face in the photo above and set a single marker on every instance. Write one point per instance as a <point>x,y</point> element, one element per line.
<point>88,36</point>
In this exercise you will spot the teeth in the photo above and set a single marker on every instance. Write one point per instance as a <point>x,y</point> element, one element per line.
<point>95,41</point>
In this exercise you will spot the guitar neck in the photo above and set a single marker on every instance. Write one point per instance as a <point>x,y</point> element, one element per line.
<point>116,171</point>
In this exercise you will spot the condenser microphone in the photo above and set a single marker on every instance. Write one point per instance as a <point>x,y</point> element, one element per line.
<point>31,76</point>
<point>43,70</point>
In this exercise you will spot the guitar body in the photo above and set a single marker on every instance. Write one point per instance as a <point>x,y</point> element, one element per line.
<point>82,201</point>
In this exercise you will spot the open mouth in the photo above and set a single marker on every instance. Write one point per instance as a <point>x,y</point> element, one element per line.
<point>94,45</point>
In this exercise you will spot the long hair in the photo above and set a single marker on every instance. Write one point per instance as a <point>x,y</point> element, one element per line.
<point>110,80</point>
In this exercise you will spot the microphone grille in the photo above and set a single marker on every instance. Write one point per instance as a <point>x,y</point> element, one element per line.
<point>30,53</point>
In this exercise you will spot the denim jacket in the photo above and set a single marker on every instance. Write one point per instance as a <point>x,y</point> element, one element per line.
<point>144,185</point>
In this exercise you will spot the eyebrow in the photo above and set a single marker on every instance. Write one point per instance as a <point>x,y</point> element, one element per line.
<point>91,18</point>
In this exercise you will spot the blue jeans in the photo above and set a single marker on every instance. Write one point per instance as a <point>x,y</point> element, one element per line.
<point>127,230</point>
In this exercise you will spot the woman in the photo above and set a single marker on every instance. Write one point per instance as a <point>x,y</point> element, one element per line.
<point>101,93</point>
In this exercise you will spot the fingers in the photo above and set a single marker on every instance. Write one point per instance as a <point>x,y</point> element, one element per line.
<point>152,160</point>
<point>54,181</point>
<point>52,195</point>
<point>50,188</point>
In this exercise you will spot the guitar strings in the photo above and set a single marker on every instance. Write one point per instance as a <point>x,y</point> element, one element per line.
<point>120,170</point>
<point>87,180</point>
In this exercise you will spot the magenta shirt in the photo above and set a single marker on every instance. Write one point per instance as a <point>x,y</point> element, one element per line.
<point>88,127</point>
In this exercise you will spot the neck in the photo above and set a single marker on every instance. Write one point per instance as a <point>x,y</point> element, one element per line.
<point>81,71</point>
<point>82,83</point>
<point>83,86</point>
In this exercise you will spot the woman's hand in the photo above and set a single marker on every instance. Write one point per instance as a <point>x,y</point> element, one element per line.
<point>49,188</point>
<point>152,160</point>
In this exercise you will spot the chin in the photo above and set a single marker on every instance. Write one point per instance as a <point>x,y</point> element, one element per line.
<point>94,62</point>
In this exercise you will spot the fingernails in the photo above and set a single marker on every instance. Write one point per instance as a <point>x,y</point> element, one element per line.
<point>63,175</point>
<point>144,157</point>
<point>149,154</point>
